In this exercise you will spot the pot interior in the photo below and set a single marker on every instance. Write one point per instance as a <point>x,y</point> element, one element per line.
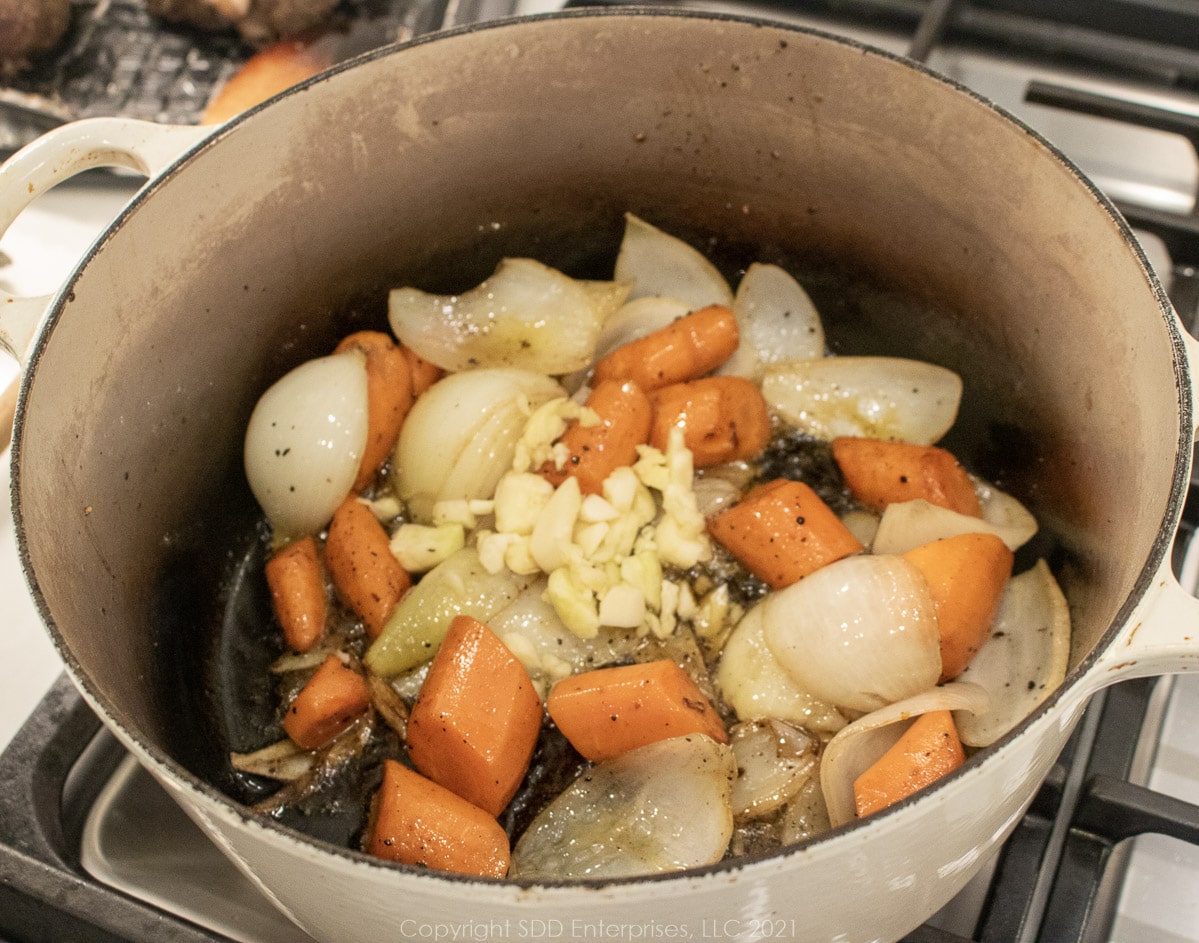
<point>924,224</point>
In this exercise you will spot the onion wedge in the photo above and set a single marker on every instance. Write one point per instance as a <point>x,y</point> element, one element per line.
<point>304,442</point>
<point>655,264</point>
<point>1025,659</point>
<point>461,435</point>
<point>874,397</point>
<point>852,751</point>
<point>774,760</point>
<point>459,585</point>
<point>757,687</point>
<point>777,321</point>
<point>906,525</point>
<point>661,807</point>
<point>526,315</point>
<point>859,633</point>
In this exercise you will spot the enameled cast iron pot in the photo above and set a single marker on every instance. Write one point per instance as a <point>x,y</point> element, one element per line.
<point>428,163</point>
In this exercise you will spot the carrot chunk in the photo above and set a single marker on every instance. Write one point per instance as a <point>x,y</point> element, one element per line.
<point>782,531</point>
<point>684,350</point>
<point>724,419</point>
<point>966,576</point>
<point>367,575</point>
<point>298,593</point>
<point>928,750</point>
<point>424,374</point>
<point>419,822</point>
<point>388,397</point>
<point>610,711</point>
<point>334,697</point>
<point>597,451</point>
<point>477,718</point>
<point>880,473</point>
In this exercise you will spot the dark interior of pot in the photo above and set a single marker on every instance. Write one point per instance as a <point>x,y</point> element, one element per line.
<point>922,222</point>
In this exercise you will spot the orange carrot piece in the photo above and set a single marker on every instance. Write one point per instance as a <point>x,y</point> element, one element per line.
<point>782,531</point>
<point>424,374</point>
<point>724,419</point>
<point>928,750</point>
<point>609,711</point>
<point>266,73</point>
<point>966,576</point>
<point>684,350</point>
<point>881,473</point>
<point>597,451</point>
<point>334,697</point>
<point>388,395</point>
<point>419,822</point>
<point>367,575</point>
<point>298,593</point>
<point>477,718</point>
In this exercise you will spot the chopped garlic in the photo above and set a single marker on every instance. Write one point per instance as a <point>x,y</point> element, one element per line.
<point>622,607</point>
<point>555,526</point>
<point>461,511</point>
<point>574,604</point>
<point>544,428</point>
<point>519,500</point>
<point>385,509</point>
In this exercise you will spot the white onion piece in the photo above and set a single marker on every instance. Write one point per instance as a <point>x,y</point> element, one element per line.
<point>526,315</point>
<point>774,760</point>
<point>304,442</point>
<point>461,434</point>
<point>282,760</point>
<point>856,748</point>
<point>713,495</point>
<point>536,635</point>
<point>637,319</point>
<point>755,685</point>
<point>906,525</point>
<point>459,585</point>
<point>875,397</point>
<point>1025,659</point>
<point>806,815</point>
<point>860,633</point>
<point>661,807</point>
<point>1013,522</point>
<point>862,524</point>
<point>654,263</point>
<point>777,321</point>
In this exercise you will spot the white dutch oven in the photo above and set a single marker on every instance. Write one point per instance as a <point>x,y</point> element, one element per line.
<point>532,137</point>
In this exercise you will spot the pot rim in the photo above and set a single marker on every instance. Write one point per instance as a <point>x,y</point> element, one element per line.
<point>1072,688</point>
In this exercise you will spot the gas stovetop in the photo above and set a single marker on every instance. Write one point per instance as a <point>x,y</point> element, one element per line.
<point>92,850</point>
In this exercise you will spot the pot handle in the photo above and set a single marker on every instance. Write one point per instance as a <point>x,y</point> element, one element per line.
<point>1163,636</point>
<point>141,146</point>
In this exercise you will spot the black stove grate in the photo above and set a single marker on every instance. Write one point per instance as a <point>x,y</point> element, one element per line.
<point>117,59</point>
